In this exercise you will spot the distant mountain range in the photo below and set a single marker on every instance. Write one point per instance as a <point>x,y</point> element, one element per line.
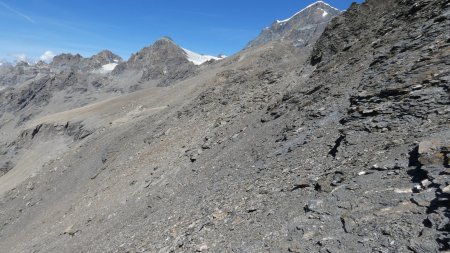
<point>302,29</point>
<point>164,62</point>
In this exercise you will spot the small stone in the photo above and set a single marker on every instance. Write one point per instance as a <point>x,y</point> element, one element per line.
<point>30,186</point>
<point>202,248</point>
<point>300,185</point>
<point>147,183</point>
<point>70,230</point>
<point>433,171</point>
<point>379,168</point>
<point>417,188</point>
<point>219,215</point>
<point>353,187</point>
<point>425,183</point>
<point>441,180</point>
<point>429,152</point>
<point>417,87</point>
<point>368,111</point>
<point>446,189</point>
<point>424,198</point>
<point>314,206</point>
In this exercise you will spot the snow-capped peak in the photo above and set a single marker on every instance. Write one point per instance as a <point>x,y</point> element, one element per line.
<point>307,7</point>
<point>199,59</point>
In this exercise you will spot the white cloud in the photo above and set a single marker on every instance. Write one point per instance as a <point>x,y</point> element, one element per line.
<point>47,56</point>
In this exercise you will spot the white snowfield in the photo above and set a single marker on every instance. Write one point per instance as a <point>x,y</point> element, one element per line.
<point>309,6</point>
<point>199,59</point>
<point>107,68</point>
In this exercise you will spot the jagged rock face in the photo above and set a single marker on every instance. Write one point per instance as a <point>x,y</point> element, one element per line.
<point>12,75</point>
<point>303,29</point>
<point>31,88</point>
<point>26,89</point>
<point>38,92</point>
<point>101,59</point>
<point>85,64</point>
<point>105,57</point>
<point>163,51</point>
<point>163,60</point>
<point>381,79</point>
<point>66,60</point>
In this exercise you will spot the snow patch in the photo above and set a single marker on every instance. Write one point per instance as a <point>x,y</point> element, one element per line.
<point>307,7</point>
<point>106,68</point>
<point>325,13</point>
<point>109,67</point>
<point>199,59</point>
<point>406,190</point>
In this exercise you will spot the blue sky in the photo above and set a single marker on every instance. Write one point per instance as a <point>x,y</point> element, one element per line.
<point>28,28</point>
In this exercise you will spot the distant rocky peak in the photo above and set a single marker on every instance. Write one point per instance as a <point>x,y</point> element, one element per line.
<point>318,9</point>
<point>302,29</point>
<point>165,43</point>
<point>160,52</point>
<point>66,60</point>
<point>103,62</point>
<point>41,64</point>
<point>5,64</point>
<point>164,61</point>
<point>165,39</point>
<point>22,64</point>
<point>106,56</point>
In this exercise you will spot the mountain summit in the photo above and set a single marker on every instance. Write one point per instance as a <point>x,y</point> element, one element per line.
<point>164,61</point>
<point>302,29</point>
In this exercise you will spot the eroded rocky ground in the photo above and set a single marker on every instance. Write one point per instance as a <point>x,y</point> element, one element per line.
<point>343,147</point>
